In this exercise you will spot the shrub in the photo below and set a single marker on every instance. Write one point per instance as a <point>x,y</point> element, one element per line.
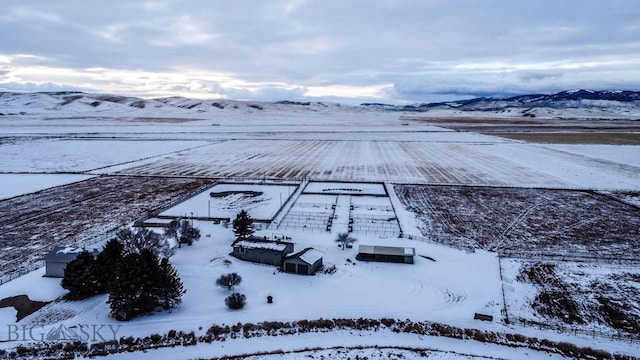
<point>127,340</point>
<point>155,338</point>
<point>235,301</point>
<point>228,281</point>
<point>387,322</point>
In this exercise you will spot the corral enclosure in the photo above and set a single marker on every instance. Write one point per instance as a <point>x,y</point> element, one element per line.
<point>359,208</point>
<point>225,200</point>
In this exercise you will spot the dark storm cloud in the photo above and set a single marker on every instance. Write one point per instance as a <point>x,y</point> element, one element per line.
<point>393,51</point>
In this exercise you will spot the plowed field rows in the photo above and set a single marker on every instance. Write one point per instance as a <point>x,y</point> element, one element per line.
<point>527,222</point>
<point>445,163</point>
<point>30,225</point>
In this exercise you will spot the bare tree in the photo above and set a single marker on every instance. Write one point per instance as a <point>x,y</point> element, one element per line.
<point>182,231</point>
<point>141,238</point>
<point>345,240</point>
<point>229,280</point>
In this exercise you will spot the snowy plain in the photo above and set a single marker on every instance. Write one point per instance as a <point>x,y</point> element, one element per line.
<point>328,144</point>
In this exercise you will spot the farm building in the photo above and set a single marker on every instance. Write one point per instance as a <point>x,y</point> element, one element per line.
<point>386,254</point>
<point>305,262</point>
<point>263,251</point>
<point>58,258</point>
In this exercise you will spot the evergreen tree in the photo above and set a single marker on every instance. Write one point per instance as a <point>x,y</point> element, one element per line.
<point>228,281</point>
<point>169,288</point>
<point>142,284</point>
<point>182,231</point>
<point>132,292</point>
<point>243,225</point>
<point>106,263</point>
<point>80,277</point>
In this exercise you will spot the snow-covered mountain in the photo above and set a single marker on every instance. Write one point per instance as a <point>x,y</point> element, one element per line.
<point>565,104</point>
<point>571,103</point>
<point>66,102</point>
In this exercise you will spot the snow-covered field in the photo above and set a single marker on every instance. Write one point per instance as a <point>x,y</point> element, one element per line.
<point>20,184</point>
<point>324,145</point>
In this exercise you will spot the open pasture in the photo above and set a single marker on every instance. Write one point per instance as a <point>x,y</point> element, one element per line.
<point>432,162</point>
<point>56,155</point>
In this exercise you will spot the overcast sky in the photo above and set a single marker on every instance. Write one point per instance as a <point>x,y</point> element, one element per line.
<point>396,51</point>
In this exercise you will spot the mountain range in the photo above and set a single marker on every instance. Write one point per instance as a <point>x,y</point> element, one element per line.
<point>572,103</point>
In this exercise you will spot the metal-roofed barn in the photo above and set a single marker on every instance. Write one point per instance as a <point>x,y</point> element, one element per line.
<point>305,262</point>
<point>386,254</point>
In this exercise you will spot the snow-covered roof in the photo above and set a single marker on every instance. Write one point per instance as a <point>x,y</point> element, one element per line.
<point>308,255</point>
<point>261,244</point>
<point>65,253</point>
<point>387,250</point>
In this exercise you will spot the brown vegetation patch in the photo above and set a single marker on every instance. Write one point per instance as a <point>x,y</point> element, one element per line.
<point>164,120</point>
<point>607,138</point>
<point>527,222</point>
<point>23,305</point>
<point>463,120</point>
<point>574,293</point>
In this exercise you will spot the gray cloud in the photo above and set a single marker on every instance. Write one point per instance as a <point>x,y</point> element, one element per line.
<point>416,49</point>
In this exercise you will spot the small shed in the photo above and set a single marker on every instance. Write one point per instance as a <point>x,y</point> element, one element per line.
<point>305,262</point>
<point>58,258</point>
<point>386,254</point>
<point>259,250</point>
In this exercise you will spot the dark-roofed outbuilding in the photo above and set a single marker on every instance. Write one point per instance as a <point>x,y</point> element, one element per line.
<point>258,250</point>
<point>386,254</point>
<point>305,262</point>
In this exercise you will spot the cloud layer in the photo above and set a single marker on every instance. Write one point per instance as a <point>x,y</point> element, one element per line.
<point>390,51</point>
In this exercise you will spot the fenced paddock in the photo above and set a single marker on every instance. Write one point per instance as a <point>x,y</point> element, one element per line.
<point>310,213</point>
<point>373,216</point>
<point>263,200</point>
<point>361,208</point>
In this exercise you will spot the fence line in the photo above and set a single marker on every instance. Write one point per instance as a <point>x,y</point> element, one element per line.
<point>443,242</point>
<point>631,338</point>
<point>575,257</point>
<point>22,271</point>
<point>37,264</point>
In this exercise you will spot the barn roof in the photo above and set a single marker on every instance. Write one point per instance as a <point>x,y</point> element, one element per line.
<point>63,253</point>
<point>387,250</point>
<point>261,244</point>
<point>308,255</point>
